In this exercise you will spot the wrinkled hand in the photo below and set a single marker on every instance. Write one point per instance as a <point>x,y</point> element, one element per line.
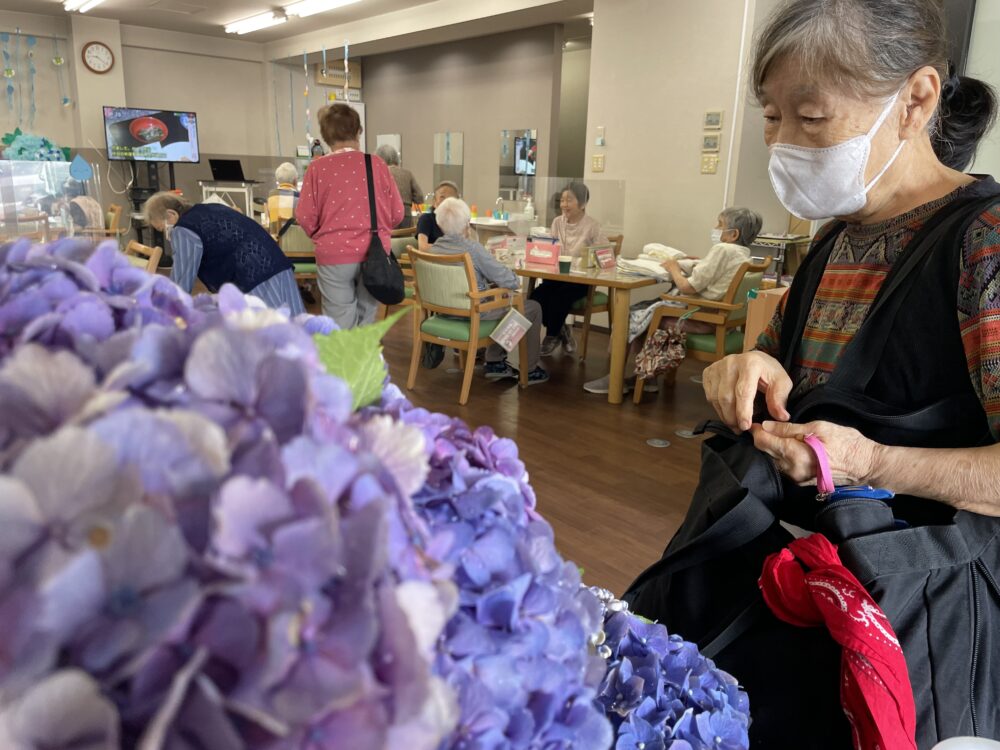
<point>853,457</point>
<point>732,384</point>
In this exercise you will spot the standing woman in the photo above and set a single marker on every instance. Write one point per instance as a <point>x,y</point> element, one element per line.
<point>575,232</point>
<point>333,210</point>
<point>886,349</point>
<point>406,183</point>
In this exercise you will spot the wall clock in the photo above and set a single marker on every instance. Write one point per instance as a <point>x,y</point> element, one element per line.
<point>98,57</point>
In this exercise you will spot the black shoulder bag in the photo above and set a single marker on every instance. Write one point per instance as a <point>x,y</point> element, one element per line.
<point>380,271</point>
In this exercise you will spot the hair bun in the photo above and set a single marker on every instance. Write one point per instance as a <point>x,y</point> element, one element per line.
<point>966,113</point>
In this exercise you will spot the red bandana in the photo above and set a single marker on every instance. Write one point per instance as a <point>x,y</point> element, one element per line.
<point>806,585</point>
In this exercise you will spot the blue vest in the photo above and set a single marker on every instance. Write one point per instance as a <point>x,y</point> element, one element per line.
<point>236,249</point>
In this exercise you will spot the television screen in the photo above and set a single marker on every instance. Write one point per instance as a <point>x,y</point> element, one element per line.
<point>151,135</point>
<point>525,152</point>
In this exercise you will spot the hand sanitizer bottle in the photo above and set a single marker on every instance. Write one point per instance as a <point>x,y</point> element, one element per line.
<point>529,209</point>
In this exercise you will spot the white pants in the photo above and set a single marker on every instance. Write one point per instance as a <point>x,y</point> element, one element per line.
<point>345,298</point>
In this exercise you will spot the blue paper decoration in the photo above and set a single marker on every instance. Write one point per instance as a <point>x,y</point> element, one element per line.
<point>80,169</point>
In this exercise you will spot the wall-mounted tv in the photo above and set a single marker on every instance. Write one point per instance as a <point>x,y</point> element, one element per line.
<point>151,135</point>
<point>525,154</point>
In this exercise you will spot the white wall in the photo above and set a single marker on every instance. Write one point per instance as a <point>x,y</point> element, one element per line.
<point>656,67</point>
<point>573,102</point>
<point>984,63</point>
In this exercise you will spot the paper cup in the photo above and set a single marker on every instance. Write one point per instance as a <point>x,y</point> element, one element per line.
<point>565,261</point>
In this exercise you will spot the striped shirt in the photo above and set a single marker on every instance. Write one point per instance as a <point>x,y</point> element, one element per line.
<point>861,259</point>
<point>278,291</point>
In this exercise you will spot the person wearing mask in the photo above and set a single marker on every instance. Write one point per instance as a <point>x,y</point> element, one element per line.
<point>221,246</point>
<point>735,230</point>
<point>575,232</point>
<point>333,210</point>
<point>282,200</point>
<point>428,231</point>
<point>406,183</point>
<point>886,351</point>
<point>453,216</point>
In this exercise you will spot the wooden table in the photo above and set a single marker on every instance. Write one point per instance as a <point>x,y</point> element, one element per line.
<point>620,287</point>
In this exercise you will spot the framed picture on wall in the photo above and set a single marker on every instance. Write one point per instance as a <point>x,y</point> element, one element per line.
<point>709,143</point>
<point>713,120</point>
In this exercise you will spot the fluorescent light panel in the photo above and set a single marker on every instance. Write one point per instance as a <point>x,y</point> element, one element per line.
<point>305,8</point>
<point>255,23</point>
<point>81,5</point>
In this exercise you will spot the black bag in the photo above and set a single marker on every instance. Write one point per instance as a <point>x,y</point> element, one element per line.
<point>936,582</point>
<point>380,271</point>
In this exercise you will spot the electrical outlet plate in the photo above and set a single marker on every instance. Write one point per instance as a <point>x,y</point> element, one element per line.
<point>597,163</point>
<point>709,163</point>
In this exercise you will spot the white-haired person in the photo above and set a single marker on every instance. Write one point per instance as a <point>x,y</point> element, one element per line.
<point>428,231</point>
<point>221,246</point>
<point>409,190</point>
<point>735,230</point>
<point>453,216</point>
<point>282,200</point>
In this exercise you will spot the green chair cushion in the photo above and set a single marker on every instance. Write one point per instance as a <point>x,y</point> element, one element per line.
<point>455,329</point>
<point>705,342</point>
<point>600,298</point>
<point>305,267</point>
<point>408,291</point>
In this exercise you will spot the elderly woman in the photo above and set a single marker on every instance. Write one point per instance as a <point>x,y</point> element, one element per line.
<point>406,183</point>
<point>282,200</point>
<point>735,230</point>
<point>334,210</point>
<point>887,347</point>
<point>453,217</point>
<point>221,246</point>
<point>575,231</point>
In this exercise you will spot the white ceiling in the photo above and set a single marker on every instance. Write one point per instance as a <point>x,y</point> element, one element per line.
<point>209,16</point>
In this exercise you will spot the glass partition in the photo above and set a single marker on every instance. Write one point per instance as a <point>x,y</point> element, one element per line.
<point>34,198</point>
<point>518,163</point>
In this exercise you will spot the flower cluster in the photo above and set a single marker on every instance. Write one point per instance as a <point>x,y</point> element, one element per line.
<point>661,693</point>
<point>220,528</point>
<point>18,146</point>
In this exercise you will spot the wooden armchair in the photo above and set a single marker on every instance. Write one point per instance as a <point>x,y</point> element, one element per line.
<point>112,226</point>
<point>595,302</point>
<point>406,266</point>
<point>449,309</point>
<point>143,256</point>
<point>727,315</point>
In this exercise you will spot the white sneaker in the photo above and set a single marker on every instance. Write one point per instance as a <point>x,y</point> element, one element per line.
<point>549,345</point>
<point>568,342</point>
<point>603,385</point>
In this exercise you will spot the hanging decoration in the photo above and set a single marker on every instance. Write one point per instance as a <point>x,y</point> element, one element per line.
<point>347,76</point>
<point>32,41</point>
<point>8,69</point>
<point>305,75</point>
<point>323,71</point>
<point>17,77</point>
<point>60,63</point>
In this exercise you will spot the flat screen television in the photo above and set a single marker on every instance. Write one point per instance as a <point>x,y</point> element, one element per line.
<point>525,153</point>
<point>151,135</point>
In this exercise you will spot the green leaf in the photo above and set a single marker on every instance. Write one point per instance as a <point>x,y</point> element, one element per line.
<point>355,356</point>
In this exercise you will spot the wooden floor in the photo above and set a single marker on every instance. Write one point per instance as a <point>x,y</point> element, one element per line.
<point>613,500</point>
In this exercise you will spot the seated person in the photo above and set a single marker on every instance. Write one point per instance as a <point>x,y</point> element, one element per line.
<point>575,231</point>
<point>428,231</point>
<point>282,200</point>
<point>453,217</point>
<point>734,232</point>
<point>207,240</point>
<point>80,211</point>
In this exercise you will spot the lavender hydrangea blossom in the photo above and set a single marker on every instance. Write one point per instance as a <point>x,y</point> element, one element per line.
<point>205,543</point>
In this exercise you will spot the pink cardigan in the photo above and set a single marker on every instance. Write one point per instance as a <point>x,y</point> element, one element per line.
<point>333,206</point>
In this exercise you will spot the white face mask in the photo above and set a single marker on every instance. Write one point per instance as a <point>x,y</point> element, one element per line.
<point>821,183</point>
<point>716,236</point>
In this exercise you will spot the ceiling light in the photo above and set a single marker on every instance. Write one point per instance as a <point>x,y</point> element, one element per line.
<point>81,5</point>
<point>305,8</point>
<point>255,23</point>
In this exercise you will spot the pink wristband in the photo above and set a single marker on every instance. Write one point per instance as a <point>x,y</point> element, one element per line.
<point>824,478</point>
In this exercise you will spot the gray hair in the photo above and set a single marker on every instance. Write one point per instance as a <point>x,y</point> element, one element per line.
<point>869,48</point>
<point>448,184</point>
<point>155,209</point>
<point>745,220</point>
<point>388,153</point>
<point>453,215</point>
<point>286,172</point>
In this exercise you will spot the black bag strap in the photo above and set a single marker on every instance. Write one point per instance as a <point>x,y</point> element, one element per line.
<point>371,193</point>
<point>285,227</point>
<point>740,624</point>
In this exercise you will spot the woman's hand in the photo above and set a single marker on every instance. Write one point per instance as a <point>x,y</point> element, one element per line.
<point>732,384</point>
<point>853,457</point>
